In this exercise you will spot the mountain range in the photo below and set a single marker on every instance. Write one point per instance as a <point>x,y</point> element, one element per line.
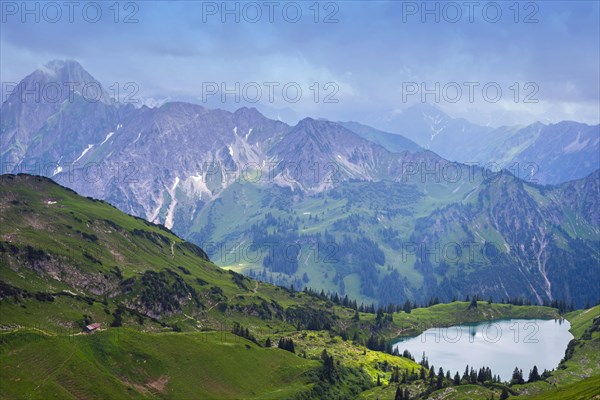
<point>336,206</point>
<point>538,153</point>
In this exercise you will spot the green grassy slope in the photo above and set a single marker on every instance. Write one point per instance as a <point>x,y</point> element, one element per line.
<point>66,261</point>
<point>88,256</point>
<point>584,390</point>
<point>580,368</point>
<point>132,364</point>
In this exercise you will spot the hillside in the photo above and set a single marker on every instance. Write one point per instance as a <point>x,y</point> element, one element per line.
<point>170,317</point>
<point>416,241</point>
<point>132,364</point>
<point>78,249</point>
<point>68,261</point>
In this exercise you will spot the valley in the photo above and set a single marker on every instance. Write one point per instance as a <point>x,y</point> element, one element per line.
<point>314,200</point>
<point>169,317</point>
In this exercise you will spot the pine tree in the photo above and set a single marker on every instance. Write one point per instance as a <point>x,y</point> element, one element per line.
<point>328,365</point>
<point>481,375</point>
<point>545,375</point>
<point>399,394</point>
<point>407,307</point>
<point>534,375</point>
<point>473,303</point>
<point>286,344</point>
<point>473,376</point>
<point>456,379</point>
<point>517,377</point>
<point>268,342</point>
<point>521,380</point>
<point>378,380</point>
<point>379,317</point>
<point>504,394</point>
<point>440,379</point>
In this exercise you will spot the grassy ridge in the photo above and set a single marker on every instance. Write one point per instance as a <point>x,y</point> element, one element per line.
<point>456,313</point>
<point>125,363</point>
<point>584,390</point>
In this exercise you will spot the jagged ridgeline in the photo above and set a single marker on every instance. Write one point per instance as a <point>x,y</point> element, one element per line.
<point>339,207</point>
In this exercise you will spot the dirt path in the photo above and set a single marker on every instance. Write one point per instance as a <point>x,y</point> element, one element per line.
<point>254,291</point>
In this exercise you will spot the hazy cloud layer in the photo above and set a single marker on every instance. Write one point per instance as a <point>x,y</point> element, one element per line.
<point>373,51</point>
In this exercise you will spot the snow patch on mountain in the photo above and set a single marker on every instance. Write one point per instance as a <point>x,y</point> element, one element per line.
<point>137,138</point>
<point>154,217</point>
<point>195,185</point>
<point>58,168</point>
<point>84,152</point>
<point>171,209</point>
<point>108,137</point>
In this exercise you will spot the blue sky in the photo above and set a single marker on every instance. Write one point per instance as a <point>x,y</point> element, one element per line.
<point>372,54</point>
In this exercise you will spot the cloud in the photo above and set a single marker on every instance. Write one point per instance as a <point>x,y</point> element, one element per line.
<point>372,49</point>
